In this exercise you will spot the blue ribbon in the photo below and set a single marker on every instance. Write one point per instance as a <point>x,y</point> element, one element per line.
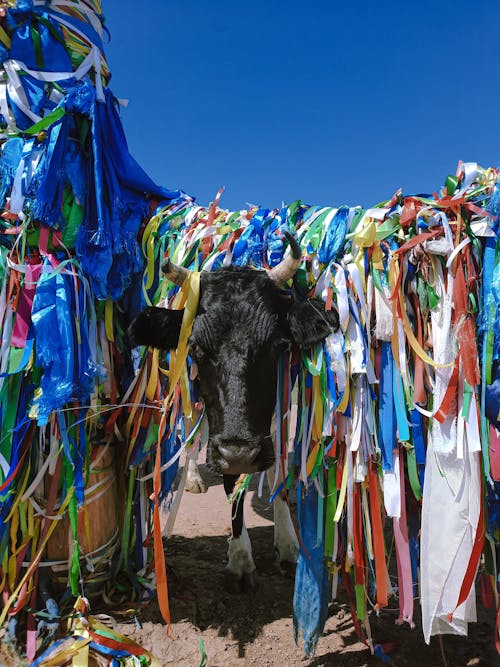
<point>417,433</point>
<point>386,410</point>
<point>399,405</point>
<point>333,240</point>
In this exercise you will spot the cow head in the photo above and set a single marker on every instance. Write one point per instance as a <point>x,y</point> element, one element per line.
<point>243,323</point>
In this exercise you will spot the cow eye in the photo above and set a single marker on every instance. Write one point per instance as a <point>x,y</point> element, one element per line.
<point>196,352</point>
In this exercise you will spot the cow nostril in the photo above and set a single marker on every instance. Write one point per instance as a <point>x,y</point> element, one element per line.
<point>248,454</point>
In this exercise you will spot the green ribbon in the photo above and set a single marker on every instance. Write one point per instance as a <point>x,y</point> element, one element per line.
<point>314,369</point>
<point>360,601</point>
<point>9,398</point>
<point>74,568</point>
<point>203,652</point>
<point>46,121</point>
<point>73,214</point>
<point>451,184</point>
<point>314,234</point>
<point>331,507</point>
<point>388,228</point>
<point>127,523</point>
<point>37,46</point>
<point>413,473</point>
<point>432,297</point>
<point>467,399</point>
<point>319,461</point>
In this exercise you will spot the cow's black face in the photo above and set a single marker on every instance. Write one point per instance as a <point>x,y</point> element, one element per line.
<point>237,336</point>
<point>242,324</point>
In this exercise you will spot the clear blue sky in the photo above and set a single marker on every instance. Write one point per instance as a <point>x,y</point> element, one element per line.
<point>330,102</point>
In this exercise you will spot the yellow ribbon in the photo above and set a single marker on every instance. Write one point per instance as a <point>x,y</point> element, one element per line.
<point>364,238</point>
<point>108,318</point>
<point>148,250</point>
<point>5,38</point>
<point>343,489</point>
<point>81,658</point>
<point>368,525</point>
<point>153,374</point>
<point>191,294</point>
<point>377,257</point>
<point>311,459</point>
<point>414,342</point>
<point>345,396</point>
<point>318,408</point>
<point>35,560</point>
<point>393,276</point>
<point>20,493</point>
<point>64,655</point>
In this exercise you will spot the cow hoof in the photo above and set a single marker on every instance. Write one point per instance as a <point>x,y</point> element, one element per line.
<point>232,582</point>
<point>240,583</point>
<point>195,485</point>
<point>249,582</point>
<point>194,481</point>
<point>287,568</point>
<point>287,556</point>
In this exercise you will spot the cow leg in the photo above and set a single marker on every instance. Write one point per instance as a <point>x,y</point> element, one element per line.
<point>286,544</point>
<point>194,481</point>
<point>240,569</point>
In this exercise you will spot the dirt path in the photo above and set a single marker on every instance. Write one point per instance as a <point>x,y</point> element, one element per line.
<point>257,629</point>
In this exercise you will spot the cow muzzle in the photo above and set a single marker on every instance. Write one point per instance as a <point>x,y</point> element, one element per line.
<point>234,457</point>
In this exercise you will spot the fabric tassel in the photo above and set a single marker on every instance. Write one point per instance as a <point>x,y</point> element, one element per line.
<point>310,600</point>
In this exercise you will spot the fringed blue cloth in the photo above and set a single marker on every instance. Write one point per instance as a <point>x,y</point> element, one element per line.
<point>46,191</point>
<point>310,599</point>
<point>98,171</point>
<point>118,200</point>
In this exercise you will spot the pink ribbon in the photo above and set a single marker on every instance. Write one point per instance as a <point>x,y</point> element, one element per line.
<point>494,454</point>
<point>24,306</point>
<point>405,582</point>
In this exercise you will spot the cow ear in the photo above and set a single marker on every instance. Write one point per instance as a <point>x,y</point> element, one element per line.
<point>156,327</point>
<point>310,323</point>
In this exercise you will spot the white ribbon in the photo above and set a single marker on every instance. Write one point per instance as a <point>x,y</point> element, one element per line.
<point>342,296</point>
<point>392,489</point>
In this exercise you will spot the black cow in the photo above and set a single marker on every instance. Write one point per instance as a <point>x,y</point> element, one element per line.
<point>244,321</point>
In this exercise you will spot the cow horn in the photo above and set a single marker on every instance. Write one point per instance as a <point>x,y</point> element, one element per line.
<point>175,273</point>
<point>288,266</point>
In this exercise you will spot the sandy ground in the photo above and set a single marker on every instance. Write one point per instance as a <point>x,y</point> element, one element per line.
<point>257,629</point>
